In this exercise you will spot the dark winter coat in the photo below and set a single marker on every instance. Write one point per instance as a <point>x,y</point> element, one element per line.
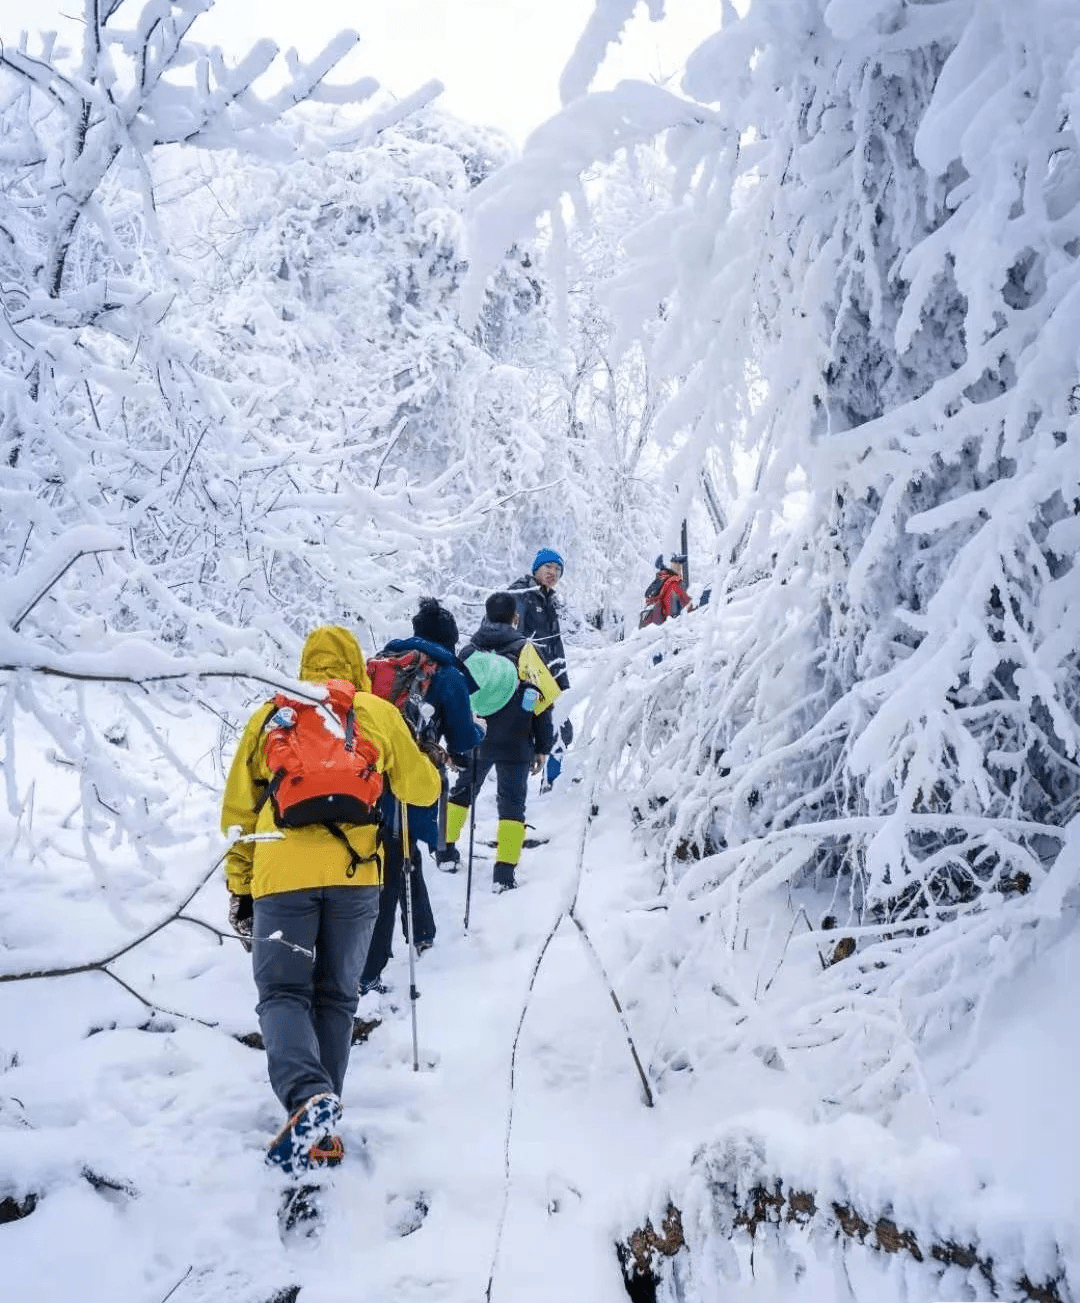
<point>538,619</point>
<point>514,735</point>
<point>452,722</point>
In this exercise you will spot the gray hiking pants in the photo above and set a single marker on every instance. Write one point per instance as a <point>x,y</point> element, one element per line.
<point>307,1001</point>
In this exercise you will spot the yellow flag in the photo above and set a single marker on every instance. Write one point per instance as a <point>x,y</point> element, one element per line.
<point>531,669</point>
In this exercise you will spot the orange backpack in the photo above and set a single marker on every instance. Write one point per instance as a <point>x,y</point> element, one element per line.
<point>324,771</point>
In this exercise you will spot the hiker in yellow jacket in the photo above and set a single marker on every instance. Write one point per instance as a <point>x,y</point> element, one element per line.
<point>307,897</point>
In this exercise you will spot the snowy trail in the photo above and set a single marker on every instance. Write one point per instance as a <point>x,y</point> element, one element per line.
<point>448,1141</point>
<point>175,1120</point>
<point>144,1139</point>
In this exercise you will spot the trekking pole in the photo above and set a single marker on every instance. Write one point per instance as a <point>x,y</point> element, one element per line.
<point>406,866</point>
<point>444,795</point>
<point>472,838</point>
<point>686,553</point>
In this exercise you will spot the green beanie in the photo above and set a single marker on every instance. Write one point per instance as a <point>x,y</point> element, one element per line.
<point>497,678</point>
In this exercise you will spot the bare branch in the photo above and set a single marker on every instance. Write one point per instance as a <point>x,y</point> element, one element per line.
<point>95,551</point>
<point>101,965</point>
<point>540,488</point>
<point>593,954</point>
<point>189,1270</point>
<point>311,694</point>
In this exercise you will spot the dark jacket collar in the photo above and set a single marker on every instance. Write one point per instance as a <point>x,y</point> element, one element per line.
<point>531,581</point>
<point>495,637</point>
<point>435,650</point>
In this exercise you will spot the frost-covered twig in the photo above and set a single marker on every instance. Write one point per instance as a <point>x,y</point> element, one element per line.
<point>103,965</point>
<point>294,687</point>
<point>177,1285</point>
<point>289,945</point>
<point>43,592</point>
<point>591,949</point>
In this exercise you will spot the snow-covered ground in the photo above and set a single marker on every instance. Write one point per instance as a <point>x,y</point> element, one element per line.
<point>143,1138</point>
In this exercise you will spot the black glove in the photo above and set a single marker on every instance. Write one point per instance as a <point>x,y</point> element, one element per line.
<point>434,752</point>
<point>242,917</point>
<point>566,732</point>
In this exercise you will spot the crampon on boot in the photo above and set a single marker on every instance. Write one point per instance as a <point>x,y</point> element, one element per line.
<point>300,1216</point>
<point>307,1140</point>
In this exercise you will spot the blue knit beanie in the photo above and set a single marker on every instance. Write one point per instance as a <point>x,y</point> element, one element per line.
<point>545,555</point>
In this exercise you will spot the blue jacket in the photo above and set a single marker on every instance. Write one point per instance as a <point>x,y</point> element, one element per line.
<point>452,721</point>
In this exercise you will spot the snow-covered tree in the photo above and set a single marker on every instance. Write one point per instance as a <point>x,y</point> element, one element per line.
<point>873,287</point>
<point>116,452</point>
<point>911,734</point>
<point>601,402</point>
<point>325,292</point>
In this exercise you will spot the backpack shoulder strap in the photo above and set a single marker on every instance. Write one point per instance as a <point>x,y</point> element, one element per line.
<point>267,787</point>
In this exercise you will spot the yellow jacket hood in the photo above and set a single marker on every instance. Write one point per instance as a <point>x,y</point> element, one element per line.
<point>331,652</point>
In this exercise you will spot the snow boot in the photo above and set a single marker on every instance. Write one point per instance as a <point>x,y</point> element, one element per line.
<point>502,878</point>
<point>449,858</point>
<point>307,1141</point>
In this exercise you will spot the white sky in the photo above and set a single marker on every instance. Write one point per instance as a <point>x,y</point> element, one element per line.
<point>500,60</point>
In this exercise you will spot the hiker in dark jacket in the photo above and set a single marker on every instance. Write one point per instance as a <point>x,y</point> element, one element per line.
<point>435,633</point>
<point>538,619</point>
<point>538,611</point>
<point>517,743</point>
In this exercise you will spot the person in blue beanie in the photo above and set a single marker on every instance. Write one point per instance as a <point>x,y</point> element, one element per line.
<point>538,619</point>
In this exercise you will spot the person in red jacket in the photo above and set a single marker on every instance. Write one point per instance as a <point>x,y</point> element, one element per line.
<point>666,597</point>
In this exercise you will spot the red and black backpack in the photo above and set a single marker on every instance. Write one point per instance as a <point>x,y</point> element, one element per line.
<point>404,680</point>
